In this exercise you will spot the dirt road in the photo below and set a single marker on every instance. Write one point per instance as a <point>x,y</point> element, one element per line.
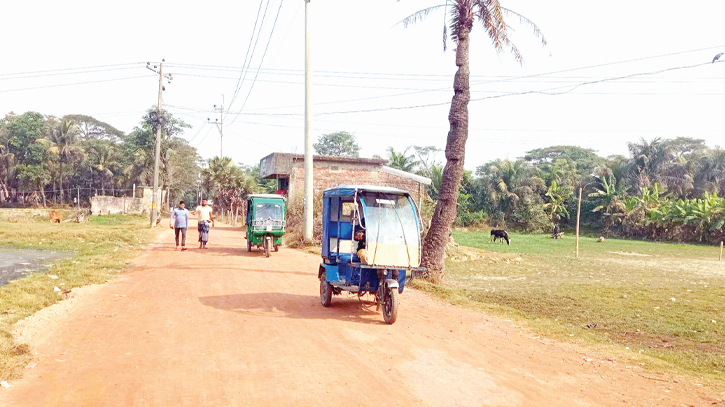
<point>223,327</point>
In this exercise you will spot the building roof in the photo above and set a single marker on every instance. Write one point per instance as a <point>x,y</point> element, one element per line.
<point>276,164</point>
<point>405,174</point>
<point>349,190</point>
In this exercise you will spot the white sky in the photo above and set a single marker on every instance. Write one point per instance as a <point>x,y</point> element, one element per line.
<point>360,53</point>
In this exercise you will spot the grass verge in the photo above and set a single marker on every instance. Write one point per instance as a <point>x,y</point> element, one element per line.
<point>98,250</point>
<point>661,301</point>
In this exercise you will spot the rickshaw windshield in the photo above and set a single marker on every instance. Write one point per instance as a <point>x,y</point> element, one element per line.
<point>391,225</point>
<point>268,210</point>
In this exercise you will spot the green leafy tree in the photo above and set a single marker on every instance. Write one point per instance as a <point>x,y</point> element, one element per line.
<point>464,14</point>
<point>339,144</point>
<point>91,128</point>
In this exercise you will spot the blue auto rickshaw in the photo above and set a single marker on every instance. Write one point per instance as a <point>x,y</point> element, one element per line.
<point>370,244</point>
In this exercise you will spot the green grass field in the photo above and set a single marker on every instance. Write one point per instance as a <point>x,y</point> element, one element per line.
<point>98,249</point>
<point>663,300</point>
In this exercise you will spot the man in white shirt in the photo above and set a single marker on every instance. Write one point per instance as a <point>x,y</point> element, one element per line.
<point>206,216</point>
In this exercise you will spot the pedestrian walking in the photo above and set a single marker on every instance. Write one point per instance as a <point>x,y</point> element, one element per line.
<point>206,217</point>
<point>179,221</point>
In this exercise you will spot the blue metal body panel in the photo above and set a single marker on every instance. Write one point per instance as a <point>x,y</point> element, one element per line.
<point>331,273</point>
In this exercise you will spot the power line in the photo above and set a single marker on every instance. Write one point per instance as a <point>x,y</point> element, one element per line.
<point>541,91</point>
<point>74,84</point>
<point>222,67</point>
<point>30,76</point>
<point>299,7</point>
<point>70,69</point>
<point>274,24</point>
<point>241,74</point>
<point>203,138</point>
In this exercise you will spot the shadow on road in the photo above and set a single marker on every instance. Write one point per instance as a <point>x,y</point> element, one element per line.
<point>184,266</point>
<point>284,305</point>
<point>221,250</point>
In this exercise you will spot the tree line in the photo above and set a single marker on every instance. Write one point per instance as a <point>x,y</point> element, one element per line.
<point>664,189</point>
<point>55,160</point>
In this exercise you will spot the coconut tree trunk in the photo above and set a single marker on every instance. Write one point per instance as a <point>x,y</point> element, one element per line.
<point>434,246</point>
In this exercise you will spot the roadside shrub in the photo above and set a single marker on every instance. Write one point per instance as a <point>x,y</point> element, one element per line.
<point>471,219</point>
<point>294,233</point>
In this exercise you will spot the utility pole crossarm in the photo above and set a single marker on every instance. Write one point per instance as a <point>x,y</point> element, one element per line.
<point>220,125</point>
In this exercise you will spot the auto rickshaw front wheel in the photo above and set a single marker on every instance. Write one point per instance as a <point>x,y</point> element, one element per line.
<point>266,247</point>
<point>325,291</point>
<point>390,305</point>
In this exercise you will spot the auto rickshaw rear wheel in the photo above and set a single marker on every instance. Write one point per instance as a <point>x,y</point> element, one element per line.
<point>390,305</point>
<point>249,245</point>
<point>276,248</point>
<point>325,291</point>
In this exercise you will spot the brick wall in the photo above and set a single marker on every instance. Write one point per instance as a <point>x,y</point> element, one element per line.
<point>327,176</point>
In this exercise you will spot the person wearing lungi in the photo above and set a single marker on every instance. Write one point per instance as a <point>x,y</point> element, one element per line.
<point>205,217</point>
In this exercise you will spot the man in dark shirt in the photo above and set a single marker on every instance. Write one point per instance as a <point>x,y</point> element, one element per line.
<point>362,254</point>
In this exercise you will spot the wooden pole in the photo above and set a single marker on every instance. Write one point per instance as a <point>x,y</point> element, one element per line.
<point>578,215</point>
<point>721,243</point>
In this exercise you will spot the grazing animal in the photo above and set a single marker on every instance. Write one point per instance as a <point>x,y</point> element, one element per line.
<point>55,217</point>
<point>500,234</point>
<point>556,234</point>
<point>601,239</point>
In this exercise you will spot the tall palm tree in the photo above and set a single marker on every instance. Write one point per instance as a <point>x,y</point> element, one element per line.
<point>221,172</point>
<point>104,158</point>
<point>401,160</point>
<point>657,161</point>
<point>710,172</point>
<point>463,15</point>
<point>557,196</point>
<point>609,200</point>
<point>61,138</point>
<point>508,183</point>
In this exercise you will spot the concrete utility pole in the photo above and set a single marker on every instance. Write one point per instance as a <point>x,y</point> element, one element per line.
<point>309,192</point>
<point>220,125</point>
<point>157,150</point>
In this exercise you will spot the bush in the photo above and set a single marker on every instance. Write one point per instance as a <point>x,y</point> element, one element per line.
<point>294,232</point>
<point>467,219</point>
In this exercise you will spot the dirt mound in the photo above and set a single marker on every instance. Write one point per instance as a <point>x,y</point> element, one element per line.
<point>457,253</point>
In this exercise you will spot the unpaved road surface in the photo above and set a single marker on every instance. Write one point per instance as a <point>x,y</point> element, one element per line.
<point>223,327</point>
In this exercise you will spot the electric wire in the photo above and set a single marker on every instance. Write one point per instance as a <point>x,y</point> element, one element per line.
<point>269,40</point>
<point>72,84</point>
<point>243,74</point>
<point>70,69</point>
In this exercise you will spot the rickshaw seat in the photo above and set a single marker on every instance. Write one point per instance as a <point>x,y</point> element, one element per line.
<point>346,257</point>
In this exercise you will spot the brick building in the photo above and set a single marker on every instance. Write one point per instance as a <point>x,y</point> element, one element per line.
<point>288,170</point>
